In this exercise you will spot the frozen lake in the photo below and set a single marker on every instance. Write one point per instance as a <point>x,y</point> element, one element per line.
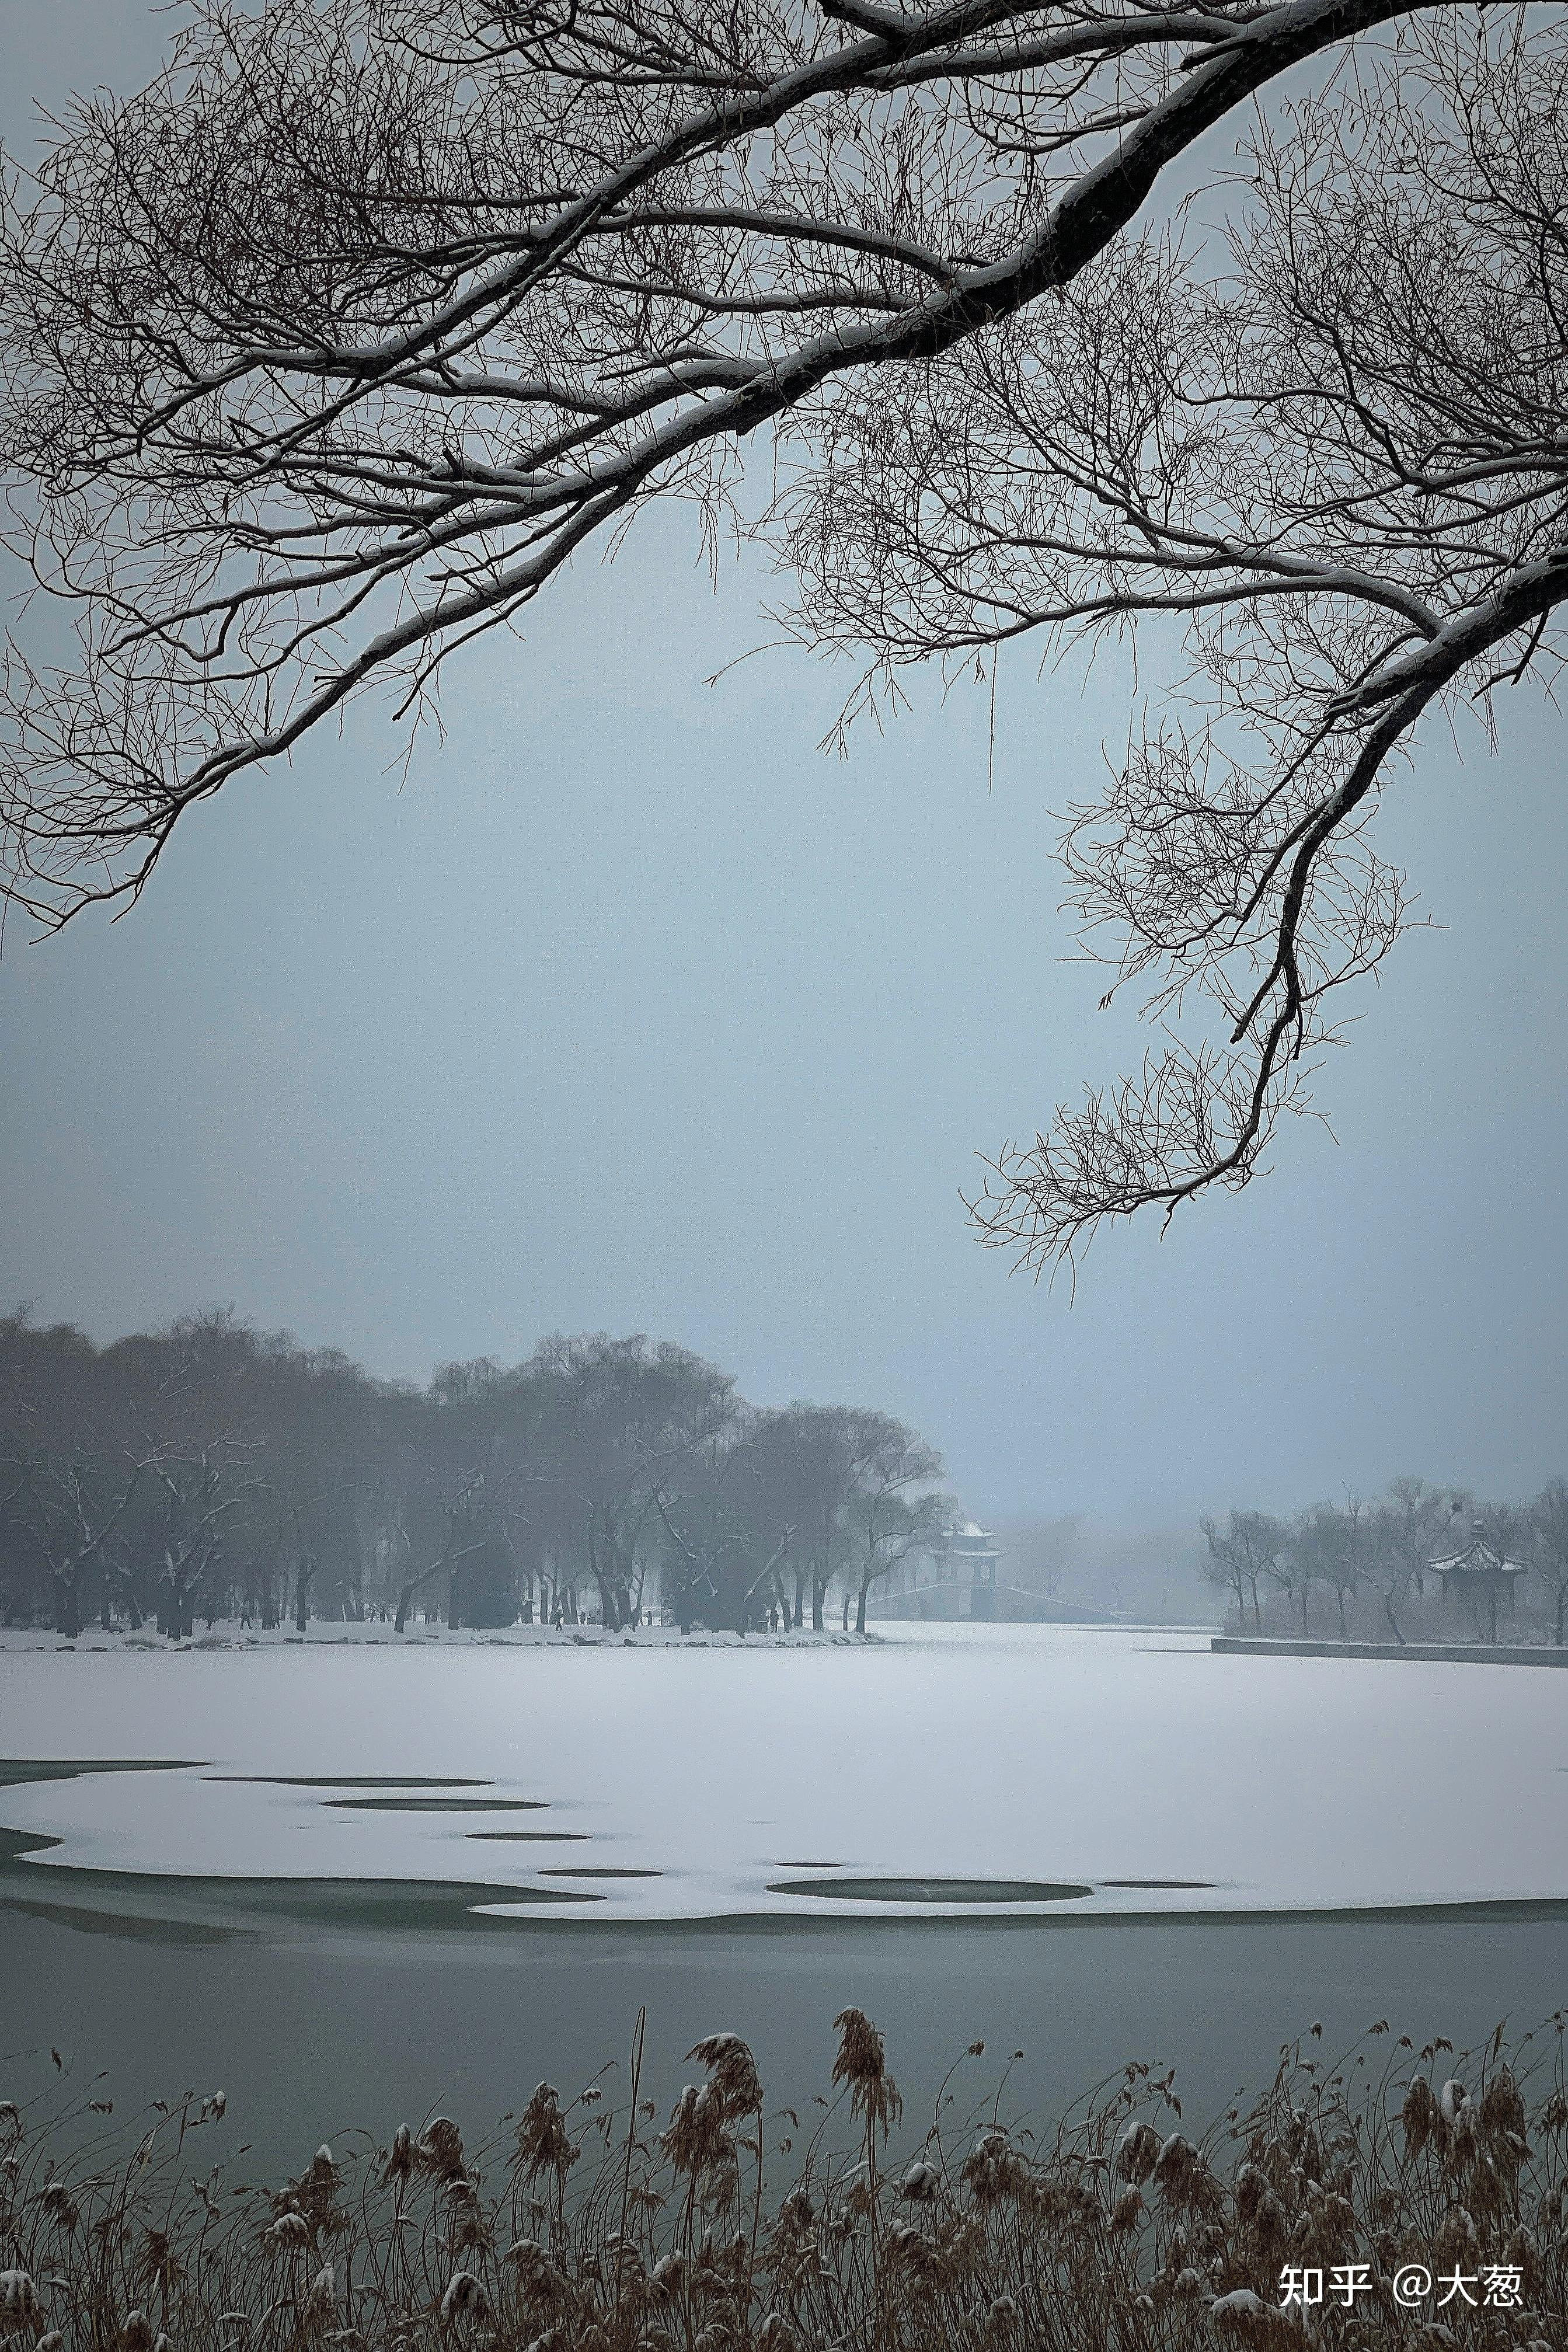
<point>297,1910</point>
<point>1040,1772</point>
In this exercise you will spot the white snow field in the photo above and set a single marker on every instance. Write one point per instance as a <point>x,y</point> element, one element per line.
<point>989,1772</point>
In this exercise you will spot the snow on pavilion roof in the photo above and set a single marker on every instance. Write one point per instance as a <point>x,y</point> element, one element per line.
<point>1479,1559</point>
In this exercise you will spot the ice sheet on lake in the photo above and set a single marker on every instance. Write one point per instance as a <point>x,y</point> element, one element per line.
<point>1114,1760</point>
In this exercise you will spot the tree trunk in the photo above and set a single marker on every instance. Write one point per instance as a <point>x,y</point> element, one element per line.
<point>1303,1612</point>
<point>1561,1610</point>
<point>860,1608</point>
<point>1340,1596</point>
<point>68,1611</point>
<point>818,1604</point>
<point>1392,1620</point>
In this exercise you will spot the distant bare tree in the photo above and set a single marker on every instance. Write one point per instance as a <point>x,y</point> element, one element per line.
<point>1243,1555</point>
<point>627,1418</point>
<point>329,350</point>
<point>1336,1537</point>
<point>69,1509</point>
<point>1508,1530</point>
<point>1548,1519</point>
<point>807,1461</point>
<point>460,1512</point>
<point>201,1488</point>
<point>1295,1567</point>
<point>724,1541</point>
<point>893,1511</point>
<point>1404,1533</point>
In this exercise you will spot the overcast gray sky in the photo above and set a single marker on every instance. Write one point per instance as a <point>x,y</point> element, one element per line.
<point>631,1010</point>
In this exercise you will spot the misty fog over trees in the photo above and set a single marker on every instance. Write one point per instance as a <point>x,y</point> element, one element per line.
<point>1364,1569</point>
<point>212,1470</point>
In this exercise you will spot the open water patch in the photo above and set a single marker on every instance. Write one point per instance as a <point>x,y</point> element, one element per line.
<point>436,1804</point>
<point>129,1926</point>
<point>21,1771</point>
<point>1186,1885</point>
<point>529,1837</point>
<point>337,1781</point>
<point>598,1869</point>
<point>935,1890</point>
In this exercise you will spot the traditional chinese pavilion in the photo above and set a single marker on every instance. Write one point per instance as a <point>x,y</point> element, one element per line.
<point>962,1579</point>
<point>1481,1575</point>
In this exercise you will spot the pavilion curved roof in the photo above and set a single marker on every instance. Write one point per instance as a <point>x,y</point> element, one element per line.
<point>1480,1556</point>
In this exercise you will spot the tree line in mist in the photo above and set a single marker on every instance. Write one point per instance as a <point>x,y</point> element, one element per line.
<point>213,1470</point>
<point>1365,1569</point>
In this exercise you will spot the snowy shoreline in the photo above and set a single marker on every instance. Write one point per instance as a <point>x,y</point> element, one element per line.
<point>333,1634</point>
<point>1429,1653</point>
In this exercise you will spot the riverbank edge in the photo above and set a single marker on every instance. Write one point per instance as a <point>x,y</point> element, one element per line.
<point>1445,1653</point>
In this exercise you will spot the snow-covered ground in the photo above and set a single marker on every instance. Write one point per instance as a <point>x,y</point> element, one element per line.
<point>952,1757</point>
<point>374,1634</point>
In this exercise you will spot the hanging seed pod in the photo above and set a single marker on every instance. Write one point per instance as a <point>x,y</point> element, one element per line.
<point>1420,2114</point>
<point>729,2062</point>
<point>1137,2153</point>
<point>21,2312</point>
<point>1128,2210</point>
<point>465,2299</point>
<point>861,2063</point>
<point>1502,2114</point>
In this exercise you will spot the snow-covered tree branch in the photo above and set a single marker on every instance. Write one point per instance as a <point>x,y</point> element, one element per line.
<point>1328,450</point>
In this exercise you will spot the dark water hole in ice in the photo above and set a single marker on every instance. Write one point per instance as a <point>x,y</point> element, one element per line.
<point>436,1804</point>
<point>528,1837</point>
<point>339,1781</point>
<point>604,1870</point>
<point>934,1890</point>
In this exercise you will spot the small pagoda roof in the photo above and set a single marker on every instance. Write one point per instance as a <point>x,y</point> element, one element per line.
<point>1480,1556</point>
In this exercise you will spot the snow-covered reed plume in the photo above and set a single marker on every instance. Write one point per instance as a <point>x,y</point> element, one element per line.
<point>587,2228</point>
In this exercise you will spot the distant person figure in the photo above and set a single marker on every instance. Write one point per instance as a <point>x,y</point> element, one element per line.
<point>773,1616</point>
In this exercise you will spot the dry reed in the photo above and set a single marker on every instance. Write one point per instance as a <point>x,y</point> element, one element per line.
<point>584,2228</point>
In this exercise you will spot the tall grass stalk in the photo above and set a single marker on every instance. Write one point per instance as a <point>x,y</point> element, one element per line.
<point>579,2227</point>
